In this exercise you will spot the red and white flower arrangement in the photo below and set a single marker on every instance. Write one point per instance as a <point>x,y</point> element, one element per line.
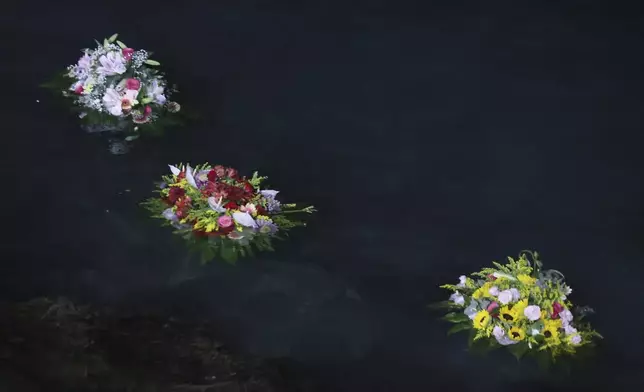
<point>222,214</point>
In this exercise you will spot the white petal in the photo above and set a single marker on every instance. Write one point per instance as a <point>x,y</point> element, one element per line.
<point>269,193</point>
<point>244,219</point>
<point>189,177</point>
<point>216,205</point>
<point>175,170</point>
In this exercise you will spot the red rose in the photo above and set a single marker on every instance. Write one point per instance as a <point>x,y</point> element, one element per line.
<point>261,210</point>
<point>556,309</point>
<point>127,53</point>
<point>232,173</point>
<point>147,110</point>
<point>248,187</point>
<point>231,205</point>
<point>212,176</point>
<point>491,277</point>
<point>219,170</point>
<point>175,193</point>
<point>208,189</point>
<point>132,84</point>
<point>79,89</point>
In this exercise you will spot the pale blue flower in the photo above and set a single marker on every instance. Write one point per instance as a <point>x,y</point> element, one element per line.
<point>169,214</point>
<point>457,298</point>
<point>266,226</point>
<point>575,339</point>
<point>471,310</point>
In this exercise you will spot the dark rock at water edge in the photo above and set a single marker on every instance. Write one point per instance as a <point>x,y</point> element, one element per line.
<point>57,346</point>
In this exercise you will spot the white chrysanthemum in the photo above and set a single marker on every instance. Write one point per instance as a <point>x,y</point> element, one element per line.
<point>494,291</point>
<point>505,297</point>
<point>566,317</point>
<point>501,337</point>
<point>462,279</point>
<point>532,312</point>
<point>569,329</point>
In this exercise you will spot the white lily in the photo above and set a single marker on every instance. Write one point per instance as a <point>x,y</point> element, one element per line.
<point>175,170</point>
<point>216,204</point>
<point>190,177</point>
<point>244,219</point>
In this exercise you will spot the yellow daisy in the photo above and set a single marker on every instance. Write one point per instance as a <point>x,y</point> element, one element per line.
<point>516,333</point>
<point>481,319</point>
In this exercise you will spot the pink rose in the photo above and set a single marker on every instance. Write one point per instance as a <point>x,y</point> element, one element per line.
<point>132,84</point>
<point>225,221</point>
<point>493,305</point>
<point>147,110</point>
<point>127,53</point>
<point>556,309</point>
<point>79,89</point>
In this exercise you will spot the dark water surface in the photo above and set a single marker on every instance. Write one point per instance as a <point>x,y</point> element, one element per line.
<point>433,138</point>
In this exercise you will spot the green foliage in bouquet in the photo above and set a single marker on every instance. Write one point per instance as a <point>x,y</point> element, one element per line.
<point>521,307</point>
<point>220,214</point>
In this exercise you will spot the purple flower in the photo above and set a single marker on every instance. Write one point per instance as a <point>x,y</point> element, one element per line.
<point>266,225</point>
<point>273,205</point>
<point>201,178</point>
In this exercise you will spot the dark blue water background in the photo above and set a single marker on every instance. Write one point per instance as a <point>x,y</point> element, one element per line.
<point>433,137</point>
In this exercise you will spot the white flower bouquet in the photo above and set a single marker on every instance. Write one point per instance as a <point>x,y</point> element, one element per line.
<point>118,88</point>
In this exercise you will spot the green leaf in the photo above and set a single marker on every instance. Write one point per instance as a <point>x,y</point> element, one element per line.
<point>518,350</point>
<point>152,62</point>
<point>456,317</point>
<point>146,100</point>
<point>207,254</point>
<point>470,339</point>
<point>121,44</point>
<point>441,305</point>
<point>458,328</point>
<point>228,253</point>
<point>112,38</point>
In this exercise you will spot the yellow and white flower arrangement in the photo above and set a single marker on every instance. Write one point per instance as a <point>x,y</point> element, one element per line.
<point>521,307</point>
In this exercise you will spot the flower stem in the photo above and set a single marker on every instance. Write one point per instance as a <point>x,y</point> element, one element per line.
<point>308,210</point>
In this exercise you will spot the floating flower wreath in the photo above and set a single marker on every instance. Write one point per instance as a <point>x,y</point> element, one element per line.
<point>521,307</point>
<point>117,85</point>
<point>220,213</point>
